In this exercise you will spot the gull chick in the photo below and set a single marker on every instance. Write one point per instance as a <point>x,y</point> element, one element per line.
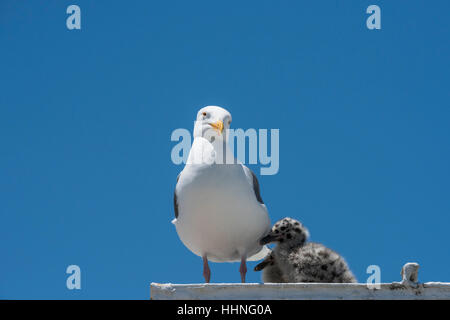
<point>295,260</point>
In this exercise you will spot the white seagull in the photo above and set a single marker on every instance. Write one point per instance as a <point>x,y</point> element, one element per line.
<point>219,213</point>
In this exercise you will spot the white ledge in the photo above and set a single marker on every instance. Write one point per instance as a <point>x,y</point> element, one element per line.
<point>299,291</point>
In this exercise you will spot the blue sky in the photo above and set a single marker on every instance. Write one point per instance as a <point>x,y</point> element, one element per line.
<point>86,117</point>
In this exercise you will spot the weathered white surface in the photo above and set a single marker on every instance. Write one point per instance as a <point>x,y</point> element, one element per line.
<point>299,291</point>
<point>410,274</point>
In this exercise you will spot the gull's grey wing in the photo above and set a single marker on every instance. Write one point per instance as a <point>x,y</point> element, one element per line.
<point>175,200</point>
<point>251,175</point>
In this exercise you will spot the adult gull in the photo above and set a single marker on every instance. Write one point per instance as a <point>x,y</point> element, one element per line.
<point>219,213</point>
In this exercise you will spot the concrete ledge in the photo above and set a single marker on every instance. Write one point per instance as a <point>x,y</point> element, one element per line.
<point>299,291</point>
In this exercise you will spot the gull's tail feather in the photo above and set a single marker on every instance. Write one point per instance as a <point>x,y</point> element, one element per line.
<point>260,255</point>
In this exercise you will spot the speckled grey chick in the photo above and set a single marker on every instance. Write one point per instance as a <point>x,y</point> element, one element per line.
<point>295,260</point>
<point>271,273</point>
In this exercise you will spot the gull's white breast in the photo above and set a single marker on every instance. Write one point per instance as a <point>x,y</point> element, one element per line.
<point>219,214</point>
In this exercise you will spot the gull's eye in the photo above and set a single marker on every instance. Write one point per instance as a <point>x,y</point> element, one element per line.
<point>204,114</point>
<point>229,122</point>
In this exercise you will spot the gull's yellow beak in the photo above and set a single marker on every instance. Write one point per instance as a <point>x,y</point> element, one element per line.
<point>218,126</point>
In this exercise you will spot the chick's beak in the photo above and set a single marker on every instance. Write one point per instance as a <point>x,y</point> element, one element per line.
<point>267,239</point>
<point>218,126</point>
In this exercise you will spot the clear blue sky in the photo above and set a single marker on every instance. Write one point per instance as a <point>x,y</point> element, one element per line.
<point>86,116</point>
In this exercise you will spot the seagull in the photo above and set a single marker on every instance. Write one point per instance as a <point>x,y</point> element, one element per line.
<point>294,260</point>
<point>219,213</point>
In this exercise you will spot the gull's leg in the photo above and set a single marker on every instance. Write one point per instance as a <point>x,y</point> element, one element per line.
<point>243,268</point>
<point>206,271</point>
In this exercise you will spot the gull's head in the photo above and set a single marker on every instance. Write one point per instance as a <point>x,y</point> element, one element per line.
<point>212,123</point>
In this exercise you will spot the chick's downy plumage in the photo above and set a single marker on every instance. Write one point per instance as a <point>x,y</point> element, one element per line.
<point>295,260</point>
